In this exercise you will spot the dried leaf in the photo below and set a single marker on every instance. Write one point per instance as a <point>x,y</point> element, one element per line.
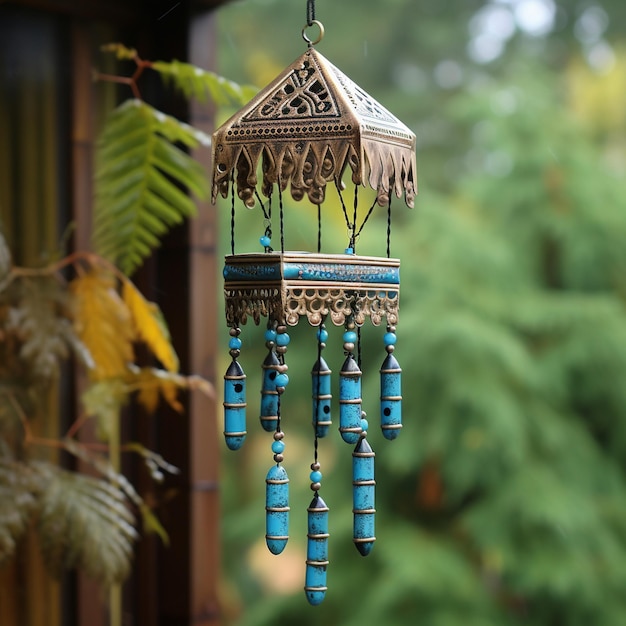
<point>151,384</point>
<point>103,323</point>
<point>150,326</point>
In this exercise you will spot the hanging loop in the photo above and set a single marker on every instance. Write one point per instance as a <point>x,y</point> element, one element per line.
<point>312,42</point>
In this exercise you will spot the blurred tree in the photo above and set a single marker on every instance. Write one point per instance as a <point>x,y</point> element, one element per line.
<point>502,500</point>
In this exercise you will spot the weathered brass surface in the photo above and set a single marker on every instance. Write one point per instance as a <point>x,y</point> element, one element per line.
<point>305,128</point>
<point>291,285</point>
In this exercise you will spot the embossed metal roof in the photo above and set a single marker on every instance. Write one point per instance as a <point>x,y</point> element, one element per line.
<point>306,128</point>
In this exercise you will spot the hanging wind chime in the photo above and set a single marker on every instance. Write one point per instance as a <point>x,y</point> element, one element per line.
<point>306,131</point>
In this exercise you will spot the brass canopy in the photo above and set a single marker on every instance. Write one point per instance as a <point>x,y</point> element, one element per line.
<point>305,127</point>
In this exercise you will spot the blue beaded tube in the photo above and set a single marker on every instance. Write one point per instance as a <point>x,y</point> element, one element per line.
<point>321,383</point>
<point>363,496</point>
<point>276,508</point>
<point>234,396</point>
<point>350,400</point>
<point>317,551</point>
<point>269,395</point>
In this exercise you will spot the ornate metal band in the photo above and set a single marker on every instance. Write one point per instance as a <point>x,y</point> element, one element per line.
<point>293,285</point>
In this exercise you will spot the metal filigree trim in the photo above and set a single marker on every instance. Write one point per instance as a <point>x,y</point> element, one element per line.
<point>306,129</point>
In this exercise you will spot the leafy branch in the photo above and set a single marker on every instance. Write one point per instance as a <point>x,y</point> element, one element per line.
<point>84,310</point>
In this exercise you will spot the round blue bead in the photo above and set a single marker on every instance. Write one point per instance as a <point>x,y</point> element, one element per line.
<point>281,380</point>
<point>349,250</point>
<point>278,447</point>
<point>349,336</point>
<point>270,335</point>
<point>322,335</point>
<point>316,477</point>
<point>234,343</point>
<point>282,339</point>
<point>390,339</point>
<point>265,241</point>
<point>364,424</point>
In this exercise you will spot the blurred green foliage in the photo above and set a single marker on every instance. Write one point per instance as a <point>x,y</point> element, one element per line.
<point>502,501</point>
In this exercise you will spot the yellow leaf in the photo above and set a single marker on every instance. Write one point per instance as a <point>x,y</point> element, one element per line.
<point>103,324</point>
<point>151,384</point>
<point>149,326</point>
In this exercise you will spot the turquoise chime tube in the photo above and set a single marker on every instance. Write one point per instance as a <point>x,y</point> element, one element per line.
<point>276,509</point>
<point>234,397</point>
<point>350,400</point>
<point>321,385</point>
<point>363,496</point>
<point>317,551</point>
<point>390,391</point>
<point>269,395</point>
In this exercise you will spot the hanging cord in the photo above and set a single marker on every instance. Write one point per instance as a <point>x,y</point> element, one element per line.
<point>232,212</point>
<point>267,214</point>
<point>358,346</point>
<point>317,390</point>
<point>389,226</point>
<point>371,210</point>
<point>319,228</point>
<point>355,207</point>
<point>310,12</point>
<point>282,223</point>
<point>343,204</point>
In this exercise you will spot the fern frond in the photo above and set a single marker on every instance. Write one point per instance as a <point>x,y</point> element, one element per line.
<point>150,326</point>
<point>85,522</point>
<point>19,486</point>
<point>197,83</point>
<point>140,177</point>
<point>104,400</point>
<point>103,324</point>
<point>39,321</point>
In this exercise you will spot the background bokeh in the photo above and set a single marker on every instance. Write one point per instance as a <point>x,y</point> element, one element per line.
<point>502,501</point>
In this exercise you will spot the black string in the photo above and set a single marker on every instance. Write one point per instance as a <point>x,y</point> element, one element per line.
<point>318,386</point>
<point>232,212</point>
<point>389,226</point>
<point>343,205</point>
<point>356,204</point>
<point>319,228</point>
<point>282,223</point>
<point>358,346</point>
<point>371,209</point>
<point>310,12</point>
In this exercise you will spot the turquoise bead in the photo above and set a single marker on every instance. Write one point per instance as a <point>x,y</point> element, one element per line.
<point>390,339</point>
<point>278,447</point>
<point>364,424</point>
<point>270,335</point>
<point>349,336</point>
<point>265,241</point>
<point>282,339</point>
<point>234,343</point>
<point>322,335</point>
<point>282,380</point>
<point>316,477</point>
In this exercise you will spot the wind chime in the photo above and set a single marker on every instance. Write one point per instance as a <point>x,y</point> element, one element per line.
<point>307,130</point>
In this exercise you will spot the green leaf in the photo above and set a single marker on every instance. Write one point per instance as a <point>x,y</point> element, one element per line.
<point>141,180</point>
<point>197,83</point>
<point>85,522</point>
